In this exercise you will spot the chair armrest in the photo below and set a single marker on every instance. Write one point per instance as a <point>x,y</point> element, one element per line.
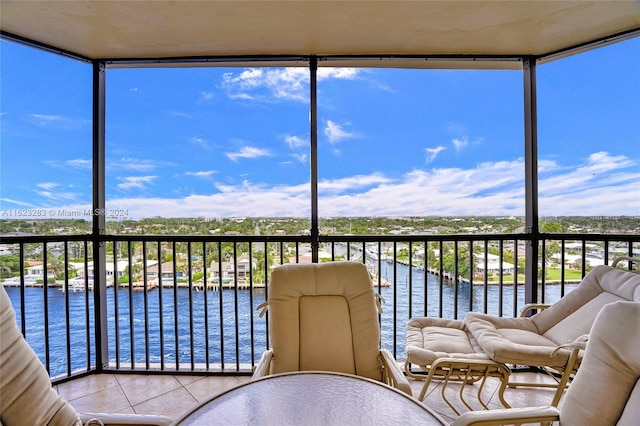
<point>116,419</point>
<point>264,365</point>
<point>508,416</point>
<point>393,373</point>
<point>531,306</point>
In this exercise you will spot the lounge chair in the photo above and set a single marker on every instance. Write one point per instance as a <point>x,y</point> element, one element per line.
<point>606,389</point>
<point>325,317</point>
<point>527,340</point>
<point>26,394</point>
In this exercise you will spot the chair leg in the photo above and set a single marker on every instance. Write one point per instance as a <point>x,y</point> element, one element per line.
<point>427,382</point>
<point>503,374</point>
<point>467,372</point>
<point>408,372</point>
<point>573,358</point>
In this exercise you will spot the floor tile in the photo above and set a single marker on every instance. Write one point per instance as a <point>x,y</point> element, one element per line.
<point>172,404</point>
<point>111,400</point>
<point>148,387</point>
<point>207,387</point>
<point>86,385</point>
<point>174,396</point>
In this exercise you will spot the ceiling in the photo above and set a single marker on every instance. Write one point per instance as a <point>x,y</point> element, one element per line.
<point>160,29</point>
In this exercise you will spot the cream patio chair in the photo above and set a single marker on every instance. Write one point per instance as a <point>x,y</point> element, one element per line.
<point>606,389</point>
<point>325,317</point>
<point>26,394</point>
<point>438,346</point>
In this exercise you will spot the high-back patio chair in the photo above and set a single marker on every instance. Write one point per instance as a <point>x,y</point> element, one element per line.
<point>483,342</point>
<point>325,317</point>
<point>606,389</point>
<point>26,394</point>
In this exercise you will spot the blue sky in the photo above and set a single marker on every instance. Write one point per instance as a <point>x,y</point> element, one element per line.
<point>219,142</point>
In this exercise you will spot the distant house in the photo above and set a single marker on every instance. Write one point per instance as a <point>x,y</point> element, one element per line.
<point>493,265</point>
<point>34,268</point>
<point>243,265</point>
<point>166,271</point>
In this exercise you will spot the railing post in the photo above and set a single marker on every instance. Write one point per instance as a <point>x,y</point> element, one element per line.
<point>531,180</point>
<point>99,250</point>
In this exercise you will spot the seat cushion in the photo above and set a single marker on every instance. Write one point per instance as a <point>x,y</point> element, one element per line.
<point>429,339</point>
<point>26,395</point>
<point>514,341</point>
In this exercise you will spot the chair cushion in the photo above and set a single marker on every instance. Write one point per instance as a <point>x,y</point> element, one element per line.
<point>605,390</point>
<point>513,341</point>
<point>531,341</point>
<point>631,412</point>
<point>579,321</point>
<point>429,339</point>
<point>26,395</point>
<point>326,344</point>
<point>324,317</point>
<point>604,284</point>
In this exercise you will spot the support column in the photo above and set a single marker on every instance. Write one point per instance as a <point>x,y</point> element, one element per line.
<point>98,183</point>
<point>313,89</point>
<point>531,180</point>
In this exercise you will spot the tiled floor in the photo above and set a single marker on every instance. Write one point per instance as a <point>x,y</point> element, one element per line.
<point>174,395</point>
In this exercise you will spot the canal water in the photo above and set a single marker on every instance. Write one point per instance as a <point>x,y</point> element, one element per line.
<point>199,313</point>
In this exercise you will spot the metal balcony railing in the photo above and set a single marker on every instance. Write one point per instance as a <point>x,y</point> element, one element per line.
<point>188,304</point>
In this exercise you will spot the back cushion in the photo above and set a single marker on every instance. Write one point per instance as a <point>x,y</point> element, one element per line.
<point>579,322</point>
<point>608,378</point>
<point>605,284</point>
<point>324,316</point>
<point>631,414</point>
<point>326,342</point>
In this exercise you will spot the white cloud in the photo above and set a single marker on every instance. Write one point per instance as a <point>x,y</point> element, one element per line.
<point>206,96</point>
<point>296,141</point>
<point>248,152</point>
<point>278,83</point>
<point>58,121</point>
<point>179,114</point>
<point>350,183</point>
<point>337,73</point>
<point>53,195</point>
<point>490,188</point>
<point>135,182</point>
<point>335,133</point>
<point>433,153</point>
<point>136,164</point>
<point>201,142</point>
<point>79,163</point>
<point>460,143</point>
<point>16,202</point>
<point>48,186</point>
<point>203,174</point>
<point>600,169</point>
<point>301,158</point>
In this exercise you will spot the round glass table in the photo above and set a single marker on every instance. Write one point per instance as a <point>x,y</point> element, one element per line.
<point>312,398</point>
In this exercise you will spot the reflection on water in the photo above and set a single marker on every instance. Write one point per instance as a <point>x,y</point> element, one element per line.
<point>229,340</point>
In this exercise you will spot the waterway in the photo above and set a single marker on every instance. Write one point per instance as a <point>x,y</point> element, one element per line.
<point>229,340</point>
